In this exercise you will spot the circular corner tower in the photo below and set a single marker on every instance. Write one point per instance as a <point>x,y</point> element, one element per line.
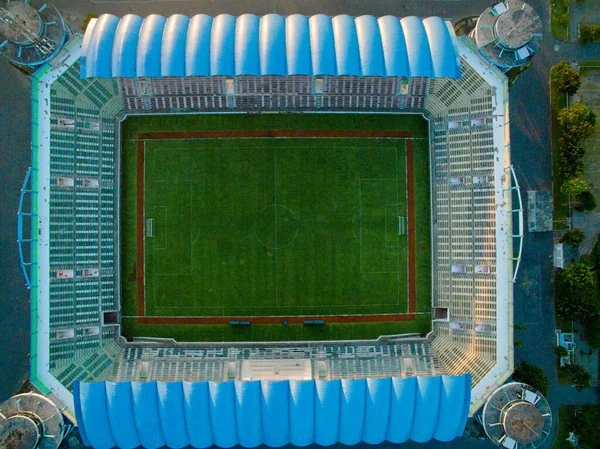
<point>31,32</point>
<point>508,34</point>
<point>30,421</point>
<point>516,415</point>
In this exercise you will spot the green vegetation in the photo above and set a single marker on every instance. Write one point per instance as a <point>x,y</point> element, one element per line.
<point>570,127</point>
<point>274,227</point>
<point>560,21</point>
<point>569,80</point>
<point>574,375</point>
<point>589,34</point>
<point>581,419</point>
<point>573,237</point>
<point>87,20</point>
<point>558,101</point>
<point>532,375</point>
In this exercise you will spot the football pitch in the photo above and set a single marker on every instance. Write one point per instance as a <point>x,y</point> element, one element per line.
<point>275,220</point>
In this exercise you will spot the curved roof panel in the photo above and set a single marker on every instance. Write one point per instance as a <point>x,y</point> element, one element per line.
<point>222,46</point>
<point>452,407</point>
<point>275,413</point>
<point>246,45</point>
<point>426,408</point>
<point>99,47</point>
<point>271,45</point>
<point>352,414</point>
<point>247,402</point>
<point>402,408</point>
<point>441,39</point>
<point>222,413</point>
<point>346,44</point>
<point>377,410</point>
<point>149,45</point>
<point>197,46</point>
<point>120,415</point>
<point>145,414</point>
<point>393,44</point>
<point>327,411</point>
<point>302,412</point>
<point>124,48</point>
<point>197,416</point>
<point>322,47</point>
<point>172,50</point>
<point>272,413</point>
<point>417,47</point>
<point>170,412</point>
<point>297,42</point>
<point>369,46</point>
<point>92,415</point>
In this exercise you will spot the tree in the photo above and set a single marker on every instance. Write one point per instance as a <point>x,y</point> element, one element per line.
<point>561,351</point>
<point>573,237</point>
<point>589,34</point>
<point>574,186</point>
<point>578,120</point>
<point>577,375</point>
<point>532,375</point>
<point>591,329</point>
<point>578,275</point>
<point>569,80</point>
<point>584,201</point>
<point>575,295</point>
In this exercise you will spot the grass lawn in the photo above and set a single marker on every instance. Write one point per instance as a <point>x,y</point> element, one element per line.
<point>275,227</point>
<point>583,419</point>
<point>558,101</point>
<point>590,96</point>
<point>560,20</point>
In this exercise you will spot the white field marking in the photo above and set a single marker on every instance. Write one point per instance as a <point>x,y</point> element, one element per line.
<point>360,213</point>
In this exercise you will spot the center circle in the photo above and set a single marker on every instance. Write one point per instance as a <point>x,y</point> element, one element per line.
<point>276,226</point>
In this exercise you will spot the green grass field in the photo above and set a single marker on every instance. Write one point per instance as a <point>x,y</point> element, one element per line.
<point>275,227</point>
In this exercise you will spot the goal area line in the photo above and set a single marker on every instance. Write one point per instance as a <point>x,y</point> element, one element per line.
<point>409,225</point>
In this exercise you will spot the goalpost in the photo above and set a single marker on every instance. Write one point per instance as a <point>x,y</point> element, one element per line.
<point>401,226</point>
<point>149,227</point>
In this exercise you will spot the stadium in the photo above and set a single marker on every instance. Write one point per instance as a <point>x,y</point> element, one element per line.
<point>270,230</point>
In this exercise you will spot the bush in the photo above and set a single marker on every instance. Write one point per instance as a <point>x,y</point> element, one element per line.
<point>532,375</point>
<point>575,294</point>
<point>589,34</point>
<point>577,375</point>
<point>578,275</point>
<point>561,351</point>
<point>569,79</point>
<point>591,329</point>
<point>574,186</point>
<point>573,237</point>
<point>584,201</point>
<point>577,120</point>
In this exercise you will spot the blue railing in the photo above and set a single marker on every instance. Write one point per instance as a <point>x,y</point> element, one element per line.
<point>22,240</point>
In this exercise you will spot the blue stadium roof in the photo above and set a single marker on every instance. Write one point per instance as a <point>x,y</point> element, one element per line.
<point>177,414</point>
<point>268,45</point>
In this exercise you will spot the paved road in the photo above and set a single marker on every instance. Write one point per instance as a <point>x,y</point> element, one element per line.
<point>530,136</point>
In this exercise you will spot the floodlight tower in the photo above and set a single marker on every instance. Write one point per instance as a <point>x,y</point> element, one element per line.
<point>517,416</point>
<point>31,32</point>
<point>508,34</point>
<point>31,421</point>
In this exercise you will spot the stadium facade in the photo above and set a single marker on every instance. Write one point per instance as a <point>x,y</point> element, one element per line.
<point>127,393</point>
